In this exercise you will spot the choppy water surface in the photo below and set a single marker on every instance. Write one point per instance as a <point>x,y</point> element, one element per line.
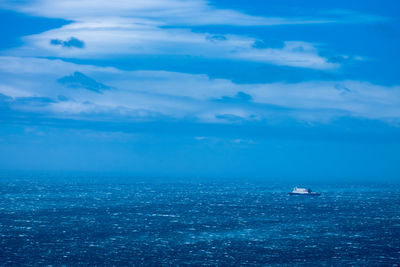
<point>188,223</point>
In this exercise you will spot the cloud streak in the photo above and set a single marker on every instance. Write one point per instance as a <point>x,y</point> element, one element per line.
<point>123,28</point>
<point>118,39</point>
<point>152,95</point>
<point>171,12</point>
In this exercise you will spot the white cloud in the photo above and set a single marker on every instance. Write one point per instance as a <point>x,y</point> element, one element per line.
<point>126,27</point>
<point>178,12</point>
<point>119,38</point>
<point>151,94</point>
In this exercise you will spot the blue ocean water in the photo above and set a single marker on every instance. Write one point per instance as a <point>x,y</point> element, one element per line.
<point>225,223</point>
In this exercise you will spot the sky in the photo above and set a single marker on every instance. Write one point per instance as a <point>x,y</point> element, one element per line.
<point>273,90</point>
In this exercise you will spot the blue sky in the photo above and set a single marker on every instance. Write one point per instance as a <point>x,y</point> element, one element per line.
<point>276,90</point>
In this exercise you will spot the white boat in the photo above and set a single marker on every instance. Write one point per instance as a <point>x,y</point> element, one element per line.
<point>303,191</point>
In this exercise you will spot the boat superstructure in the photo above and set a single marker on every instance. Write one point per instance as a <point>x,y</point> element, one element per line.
<point>303,191</point>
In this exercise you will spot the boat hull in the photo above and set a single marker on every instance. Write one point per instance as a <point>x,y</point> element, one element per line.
<point>304,194</point>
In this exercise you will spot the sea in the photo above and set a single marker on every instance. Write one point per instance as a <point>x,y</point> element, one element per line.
<point>126,222</point>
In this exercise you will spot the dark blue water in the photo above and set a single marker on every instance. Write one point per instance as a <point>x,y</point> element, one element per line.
<point>44,223</point>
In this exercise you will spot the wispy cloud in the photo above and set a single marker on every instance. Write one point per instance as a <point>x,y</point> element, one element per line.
<point>172,12</point>
<point>120,28</point>
<point>156,94</point>
<point>120,38</point>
